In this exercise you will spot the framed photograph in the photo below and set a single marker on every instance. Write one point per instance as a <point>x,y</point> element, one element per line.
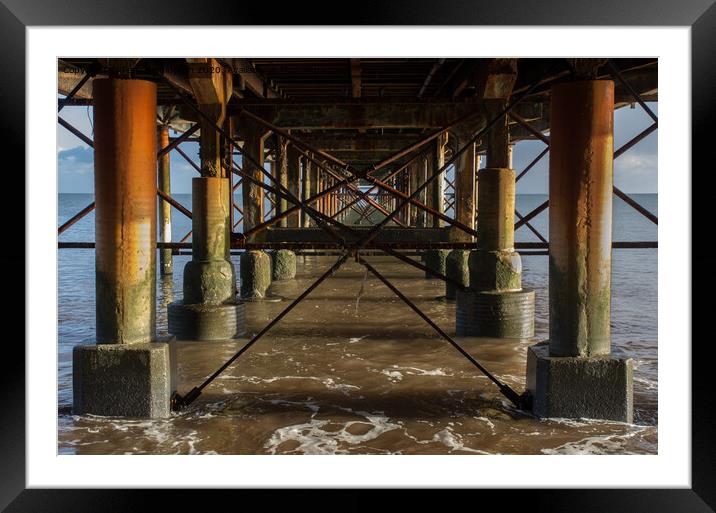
<point>419,248</point>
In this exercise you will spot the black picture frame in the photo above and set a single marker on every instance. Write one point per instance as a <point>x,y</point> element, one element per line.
<point>700,15</point>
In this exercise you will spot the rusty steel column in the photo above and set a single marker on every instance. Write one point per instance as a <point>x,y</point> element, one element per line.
<point>420,169</point>
<point>125,373</point>
<point>228,156</point>
<point>209,276</point>
<point>305,188</point>
<point>336,202</point>
<point>334,197</point>
<point>495,305</point>
<point>573,375</point>
<point>313,184</point>
<point>253,196</point>
<point>414,182</point>
<point>580,218</point>
<point>438,189</point>
<point>210,147</point>
<point>125,211</point>
<point>320,185</point>
<point>498,137</point>
<point>274,198</point>
<point>294,181</point>
<point>166,264</point>
<point>428,193</point>
<point>434,259</point>
<point>464,189</point>
<point>209,309</point>
<point>284,260</point>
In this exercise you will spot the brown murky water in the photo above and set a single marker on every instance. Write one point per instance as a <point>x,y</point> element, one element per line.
<point>344,374</point>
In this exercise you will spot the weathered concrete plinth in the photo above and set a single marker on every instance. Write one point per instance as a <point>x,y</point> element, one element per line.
<point>127,380</point>
<point>496,306</point>
<point>284,265</point>
<point>199,321</point>
<point>598,387</point>
<point>457,267</point>
<point>495,314</point>
<point>436,259</point>
<point>127,372</point>
<point>209,309</point>
<point>210,282</point>
<point>495,270</point>
<point>255,274</point>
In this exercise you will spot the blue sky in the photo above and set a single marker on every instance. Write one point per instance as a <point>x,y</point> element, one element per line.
<point>635,171</point>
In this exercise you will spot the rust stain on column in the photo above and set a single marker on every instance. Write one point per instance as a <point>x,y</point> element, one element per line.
<point>210,218</point>
<point>438,190</point>
<point>209,276</point>
<point>580,217</point>
<point>321,186</point>
<point>465,189</point>
<point>210,147</point>
<point>125,159</point>
<point>294,180</point>
<point>253,196</point>
<point>498,138</point>
<point>281,160</point>
<point>305,190</point>
<point>313,178</point>
<point>496,197</point>
<point>414,174</point>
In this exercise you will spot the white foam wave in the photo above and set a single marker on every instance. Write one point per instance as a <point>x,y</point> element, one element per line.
<point>329,383</point>
<point>311,438</point>
<point>600,444</point>
<point>395,372</point>
<point>454,441</point>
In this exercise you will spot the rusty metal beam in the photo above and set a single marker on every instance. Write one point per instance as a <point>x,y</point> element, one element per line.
<point>456,155</point>
<point>188,159</point>
<point>360,115</point>
<point>651,217</point>
<point>522,122</point>
<point>79,215</point>
<point>76,132</point>
<point>355,78</point>
<point>178,140</point>
<point>174,203</point>
<point>615,71</point>
<point>240,244</point>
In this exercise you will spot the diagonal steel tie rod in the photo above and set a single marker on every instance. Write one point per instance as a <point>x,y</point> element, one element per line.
<point>505,111</point>
<point>178,402</point>
<point>280,189</point>
<point>520,401</point>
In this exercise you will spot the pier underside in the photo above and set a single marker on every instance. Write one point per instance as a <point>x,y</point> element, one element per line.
<point>325,176</point>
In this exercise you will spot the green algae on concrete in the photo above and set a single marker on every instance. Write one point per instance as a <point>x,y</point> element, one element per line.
<point>255,274</point>
<point>495,270</point>
<point>209,282</point>
<point>435,259</point>
<point>457,268</point>
<point>284,265</point>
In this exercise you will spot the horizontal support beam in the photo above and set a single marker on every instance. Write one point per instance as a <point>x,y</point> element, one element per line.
<point>362,115</point>
<point>358,142</point>
<point>239,244</point>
